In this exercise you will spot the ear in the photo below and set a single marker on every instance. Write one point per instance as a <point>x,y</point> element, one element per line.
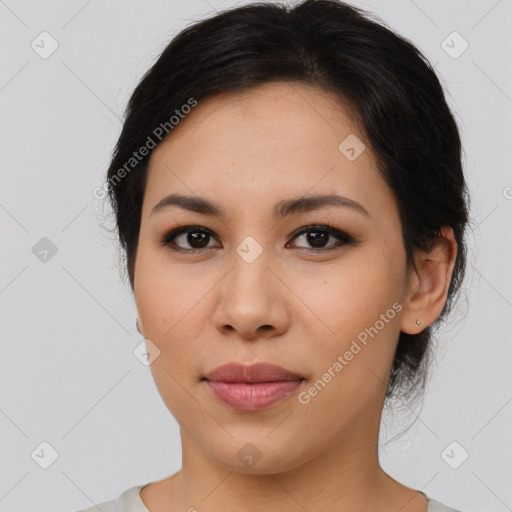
<point>137,323</point>
<point>427,288</point>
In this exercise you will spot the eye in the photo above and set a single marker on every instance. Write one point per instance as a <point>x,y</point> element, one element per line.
<point>198,237</point>
<point>318,235</point>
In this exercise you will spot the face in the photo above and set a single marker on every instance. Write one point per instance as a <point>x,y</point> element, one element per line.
<point>249,284</point>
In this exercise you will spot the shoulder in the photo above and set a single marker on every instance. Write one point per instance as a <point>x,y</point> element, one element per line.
<point>436,506</point>
<point>128,501</point>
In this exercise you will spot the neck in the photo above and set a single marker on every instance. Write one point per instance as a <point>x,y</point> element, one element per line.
<point>344,476</point>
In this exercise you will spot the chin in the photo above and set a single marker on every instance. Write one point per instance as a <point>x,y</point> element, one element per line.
<point>263,456</point>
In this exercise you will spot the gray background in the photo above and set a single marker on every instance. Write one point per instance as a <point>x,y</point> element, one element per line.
<point>68,375</point>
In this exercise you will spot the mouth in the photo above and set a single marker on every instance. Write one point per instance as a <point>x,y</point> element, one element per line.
<point>252,388</point>
<point>256,373</point>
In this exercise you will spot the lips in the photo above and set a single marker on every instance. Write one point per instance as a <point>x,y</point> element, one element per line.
<point>259,372</point>
<point>252,388</point>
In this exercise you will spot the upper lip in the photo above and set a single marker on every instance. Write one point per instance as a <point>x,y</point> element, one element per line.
<point>259,372</point>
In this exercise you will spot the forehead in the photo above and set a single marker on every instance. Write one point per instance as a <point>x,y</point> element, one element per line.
<point>275,141</point>
<point>278,115</point>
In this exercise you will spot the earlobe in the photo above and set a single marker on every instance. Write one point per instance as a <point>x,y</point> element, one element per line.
<point>428,294</point>
<point>137,324</point>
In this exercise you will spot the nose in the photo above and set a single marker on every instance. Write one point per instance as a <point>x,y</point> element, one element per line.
<point>251,301</point>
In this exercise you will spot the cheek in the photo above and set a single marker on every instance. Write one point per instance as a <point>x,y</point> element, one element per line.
<point>168,302</point>
<point>172,301</point>
<point>357,316</point>
<point>346,297</point>
<point>166,296</point>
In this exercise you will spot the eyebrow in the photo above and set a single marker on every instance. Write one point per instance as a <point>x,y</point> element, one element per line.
<point>282,209</point>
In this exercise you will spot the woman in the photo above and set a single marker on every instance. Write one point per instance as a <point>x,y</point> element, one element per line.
<point>289,194</point>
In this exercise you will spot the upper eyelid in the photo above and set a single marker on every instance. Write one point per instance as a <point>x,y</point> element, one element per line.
<point>185,229</point>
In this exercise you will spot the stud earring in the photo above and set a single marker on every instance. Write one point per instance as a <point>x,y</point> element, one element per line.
<point>418,322</point>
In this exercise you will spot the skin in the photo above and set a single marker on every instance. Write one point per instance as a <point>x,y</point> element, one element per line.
<point>246,152</point>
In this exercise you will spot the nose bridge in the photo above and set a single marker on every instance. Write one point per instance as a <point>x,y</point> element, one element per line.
<point>249,274</point>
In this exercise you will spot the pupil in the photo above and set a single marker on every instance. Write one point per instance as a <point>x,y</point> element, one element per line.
<point>196,236</point>
<point>316,241</point>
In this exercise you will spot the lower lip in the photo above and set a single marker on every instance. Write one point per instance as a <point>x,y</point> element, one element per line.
<point>253,397</point>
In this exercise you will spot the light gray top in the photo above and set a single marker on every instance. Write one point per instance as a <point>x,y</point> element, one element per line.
<point>130,501</point>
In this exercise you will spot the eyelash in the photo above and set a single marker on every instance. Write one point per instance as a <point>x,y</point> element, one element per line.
<point>345,239</point>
